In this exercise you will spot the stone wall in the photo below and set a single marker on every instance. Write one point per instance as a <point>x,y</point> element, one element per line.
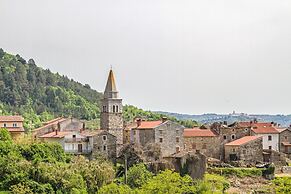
<point>99,144</point>
<point>285,136</point>
<point>208,146</point>
<point>172,138</point>
<point>250,153</point>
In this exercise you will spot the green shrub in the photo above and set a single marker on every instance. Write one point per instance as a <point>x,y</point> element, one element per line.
<point>282,184</point>
<point>218,182</point>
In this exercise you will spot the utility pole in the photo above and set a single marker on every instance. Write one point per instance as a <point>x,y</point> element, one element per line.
<point>125,168</point>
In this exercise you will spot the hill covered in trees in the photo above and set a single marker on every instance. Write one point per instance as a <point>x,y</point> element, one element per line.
<point>40,95</point>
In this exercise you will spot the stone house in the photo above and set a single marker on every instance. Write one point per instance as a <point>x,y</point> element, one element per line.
<point>285,140</point>
<point>167,134</point>
<point>14,124</point>
<point>228,133</point>
<point>270,134</point>
<point>60,124</point>
<point>103,144</point>
<point>72,141</point>
<point>204,141</point>
<point>248,149</point>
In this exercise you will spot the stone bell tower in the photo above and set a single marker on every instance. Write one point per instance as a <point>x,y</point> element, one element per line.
<point>111,110</point>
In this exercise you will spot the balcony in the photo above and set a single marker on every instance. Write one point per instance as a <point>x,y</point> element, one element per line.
<point>78,151</point>
<point>75,140</point>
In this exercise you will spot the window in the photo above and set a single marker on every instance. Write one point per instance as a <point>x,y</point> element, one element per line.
<point>116,108</point>
<point>113,108</point>
<point>104,137</point>
<point>270,147</point>
<point>104,148</point>
<point>269,138</point>
<point>286,138</point>
<point>193,146</point>
<point>5,125</point>
<point>246,129</point>
<point>224,137</point>
<point>74,136</point>
<point>161,140</point>
<point>161,132</point>
<point>177,140</point>
<point>233,130</point>
<point>233,150</point>
<point>233,136</point>
<point>177,132</point>
<point>204,146</point>
<point>14,124</point>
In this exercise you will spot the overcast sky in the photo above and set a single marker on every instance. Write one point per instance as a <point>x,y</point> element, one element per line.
<point>185,56</point>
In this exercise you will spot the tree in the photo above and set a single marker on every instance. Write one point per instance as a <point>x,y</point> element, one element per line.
<point>5,135</point>
<point>138,175</point>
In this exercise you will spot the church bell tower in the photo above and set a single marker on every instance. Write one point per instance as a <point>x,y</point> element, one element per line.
<point>111,110</point>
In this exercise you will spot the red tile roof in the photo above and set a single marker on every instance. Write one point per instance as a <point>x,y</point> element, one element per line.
<point>242,140</point>
<point>260,127</point>
<point>196,132</point>
<point>50,123</point>
<point>149,124</point>
<point>11,118</point>
<point>60,134</point>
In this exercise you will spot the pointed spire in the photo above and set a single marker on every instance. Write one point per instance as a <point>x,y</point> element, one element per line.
<point>110,90</point>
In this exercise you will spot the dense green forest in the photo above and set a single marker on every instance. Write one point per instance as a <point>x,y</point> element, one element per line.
<point>40,95</point>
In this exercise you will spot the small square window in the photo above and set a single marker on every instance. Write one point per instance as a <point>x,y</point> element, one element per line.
<point>14,124</point>
<point>161,140</point>
<point>104,148</point>
<point>5,125</point>
<point>204,146</point>
<point>233,137</point>
<point>224,137</point>
<point>74,136</point>
<point>233,150</point>
<point>286,137</point>
<point>270,147</point>
<point>269,138</point>
<point>177,140</point>
<point>104,137</point>
<point>161,132</point>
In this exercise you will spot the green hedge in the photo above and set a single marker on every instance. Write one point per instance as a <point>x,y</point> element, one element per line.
<point>239,172</point>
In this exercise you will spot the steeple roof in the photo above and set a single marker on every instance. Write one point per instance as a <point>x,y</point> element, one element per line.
<point>110,90</point>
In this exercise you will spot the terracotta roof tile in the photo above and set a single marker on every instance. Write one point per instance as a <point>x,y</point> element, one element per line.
<point>60,134</point>
<point>242,140</point>
<point>260,127</point>
<point>196,132</point>
<point>11,118</point>
<point>149,124</point>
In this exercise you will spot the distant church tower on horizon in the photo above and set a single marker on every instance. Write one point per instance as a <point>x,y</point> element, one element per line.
<point>111,110</point>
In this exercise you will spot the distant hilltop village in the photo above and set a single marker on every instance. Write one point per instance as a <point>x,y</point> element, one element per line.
<point>162,141</point>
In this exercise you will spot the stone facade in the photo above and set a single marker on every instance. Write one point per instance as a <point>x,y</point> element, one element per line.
<point>248,152</point>
<point>60,124</point>
<point>285,141</point>
<point>104,144</point>
<point>168,135</point>
<point>209,146</point>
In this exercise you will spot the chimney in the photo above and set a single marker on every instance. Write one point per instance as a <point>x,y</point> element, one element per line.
<point>164,119</point>
<point>255,120</point>
<point>138,122</point>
